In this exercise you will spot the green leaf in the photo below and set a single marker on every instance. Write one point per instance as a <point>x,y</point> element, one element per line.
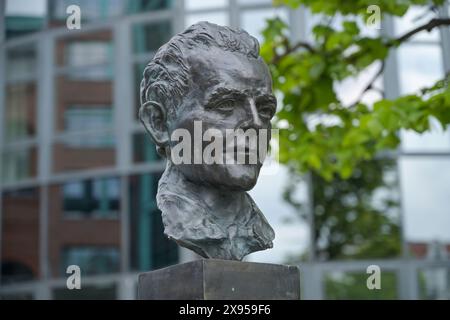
<point>314,161</point>
<point>350,27</point>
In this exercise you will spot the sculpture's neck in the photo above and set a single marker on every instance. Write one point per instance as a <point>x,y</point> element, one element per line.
<point>213,223</point>
<point>223,204</point>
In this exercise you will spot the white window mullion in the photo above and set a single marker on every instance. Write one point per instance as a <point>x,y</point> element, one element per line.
<point>445,38</point>
<point>45,124</point>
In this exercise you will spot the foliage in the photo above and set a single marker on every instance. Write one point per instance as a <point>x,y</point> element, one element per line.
<point>306,75</point>
<point>331,7</point>
<point>337,142</point>
<point>356,217</point>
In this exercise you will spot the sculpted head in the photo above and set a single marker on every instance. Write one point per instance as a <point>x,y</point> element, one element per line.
<point>215,75</point>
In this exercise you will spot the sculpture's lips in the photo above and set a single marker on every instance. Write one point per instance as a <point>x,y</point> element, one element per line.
<point>241,155</point>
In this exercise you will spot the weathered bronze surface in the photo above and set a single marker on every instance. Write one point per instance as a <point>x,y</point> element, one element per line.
<point>215,75</point>
<point>211,279</point>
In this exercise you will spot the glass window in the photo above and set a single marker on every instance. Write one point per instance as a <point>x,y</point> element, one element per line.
<point>23,16</point>
<point>87,53</point>
<point>150,36</point>
<point>201,4</point>
<point>83,100</point>
<point>21,63</point>
<point>254,21</point>
<point>353,285</point>
<point>136,6</point>
<point>434,283</point>
<point>88,49</point>
<point>149,247</point>
<point>20,236</point>
<point>91,10</point>
<point>436,140</point>
<point>84,226</point>
<point>425,197</point>
<point>91,260</point>
<point>85,80</point>
<point>93,74</point>
<point>416,72</point>
<point>84,117</point>
<point>19,164</point>
<point>20,111</point>
<point>89,57</point>
<point>98,198</point>
<point>84,151</point>
<point>254,2</point>
<point>87,142</point>
<point>220,18</point>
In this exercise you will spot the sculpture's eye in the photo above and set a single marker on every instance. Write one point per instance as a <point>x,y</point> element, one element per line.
<point>226,106</point>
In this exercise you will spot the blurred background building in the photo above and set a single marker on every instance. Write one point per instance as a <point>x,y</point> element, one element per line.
<point>79,175</point>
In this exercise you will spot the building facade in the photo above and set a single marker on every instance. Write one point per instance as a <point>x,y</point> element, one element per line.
<point>79,174</point>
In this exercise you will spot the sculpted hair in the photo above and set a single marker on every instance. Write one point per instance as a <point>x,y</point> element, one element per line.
<point>166,77</point>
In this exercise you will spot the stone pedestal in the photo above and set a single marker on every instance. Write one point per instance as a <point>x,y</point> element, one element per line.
<point>211,279</point>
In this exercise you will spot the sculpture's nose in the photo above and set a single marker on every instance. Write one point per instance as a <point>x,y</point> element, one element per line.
<point>252,117</point>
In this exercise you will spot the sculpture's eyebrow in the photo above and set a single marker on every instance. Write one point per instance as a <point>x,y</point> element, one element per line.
<point>223,93</point>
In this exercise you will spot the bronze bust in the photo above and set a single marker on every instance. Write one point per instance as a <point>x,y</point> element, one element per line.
<point>212,75</point>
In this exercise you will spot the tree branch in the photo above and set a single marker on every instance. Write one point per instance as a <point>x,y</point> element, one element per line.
<point>369,85</point>
<point>290,49</point>
<point>430,25</point>
<point>433,23</point>
<point>305,45</point>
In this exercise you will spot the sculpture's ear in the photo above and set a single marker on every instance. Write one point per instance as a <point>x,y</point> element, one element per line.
<point>153,117</point>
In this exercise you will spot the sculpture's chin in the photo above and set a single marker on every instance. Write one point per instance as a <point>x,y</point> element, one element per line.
<point>244,185</point>
<point>242,177</point>
<point>224,176</point>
